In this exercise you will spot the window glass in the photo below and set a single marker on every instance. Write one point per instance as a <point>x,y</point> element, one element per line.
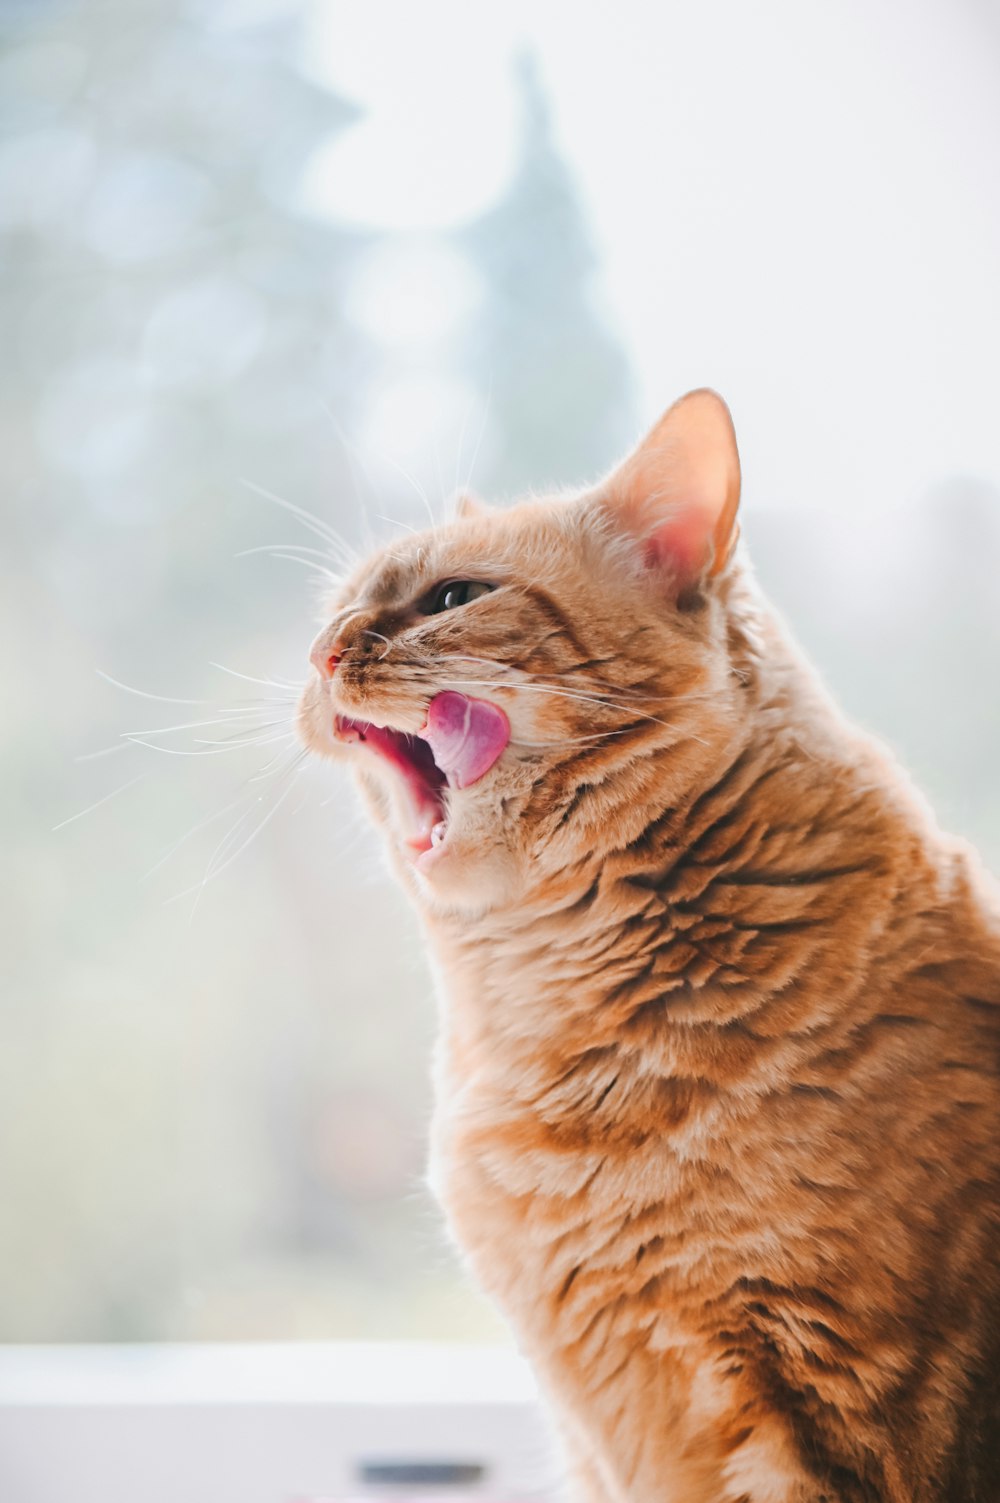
<point>273,270</point>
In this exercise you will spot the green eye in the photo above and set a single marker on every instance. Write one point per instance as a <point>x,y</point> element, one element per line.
<point>456,592</point>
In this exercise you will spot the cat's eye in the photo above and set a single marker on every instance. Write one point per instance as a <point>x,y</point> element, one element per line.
<point>453,593</point>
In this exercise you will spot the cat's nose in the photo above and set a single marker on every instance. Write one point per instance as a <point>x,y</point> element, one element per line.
<point>325,654</point>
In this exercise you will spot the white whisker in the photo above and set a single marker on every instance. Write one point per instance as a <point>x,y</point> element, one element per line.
<point>461,444</point>
<point>98,802</point>
<point>354,463</point>
<point>163,699</point>
<point>238,740</point>
<point>308,563</point>
<point>440,473</point>
<point>190,725</point>
<point>282,548</point>
<point>267,683</point>
<point>394,522</point>
<point>245,733</point>
<point>294,555</point>
<point>265,702</point>
<point>215,871</point>
<point>367,632</point>
<point>410,479</point>
<point>312,523</point>
<point>105,751</point>
<point>598,685</point>
<point>587,699</point>
<point>569,740</point>
<point>212,749</point>
<point>201,825</point>
<point>273,766</point>
<point>482,431</point>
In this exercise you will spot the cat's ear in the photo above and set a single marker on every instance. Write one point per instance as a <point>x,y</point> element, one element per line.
<point>680,490</point>
<point>468,504</point>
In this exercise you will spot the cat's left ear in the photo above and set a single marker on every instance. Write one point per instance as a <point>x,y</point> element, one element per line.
<point>678,493</point>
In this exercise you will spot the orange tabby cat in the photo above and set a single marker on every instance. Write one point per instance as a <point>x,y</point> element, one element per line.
<point>718,1117</point>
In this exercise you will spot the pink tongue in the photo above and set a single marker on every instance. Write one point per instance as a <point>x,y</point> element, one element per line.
<point>466,736</point>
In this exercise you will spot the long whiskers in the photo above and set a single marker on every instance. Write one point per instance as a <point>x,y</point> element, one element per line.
<point>195,725</point>
<point>293,554</point>
<point>268,683</point>
<point>162,699</point>
<point>600,686</point>
<point>411,480</point>
<point>340,550</point>
<point>263,722</point>
<point>201,825</point>
<point>271,767</point>
<point>560,693</point>
<point>213,750</point>
<point>244,724</point>
<point>216,865</point>
<point>560,741</point>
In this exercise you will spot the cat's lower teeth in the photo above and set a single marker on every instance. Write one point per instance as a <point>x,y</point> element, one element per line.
<point>438,832</point>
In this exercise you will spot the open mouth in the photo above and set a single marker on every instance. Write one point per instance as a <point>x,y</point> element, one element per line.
<point>460,741</point>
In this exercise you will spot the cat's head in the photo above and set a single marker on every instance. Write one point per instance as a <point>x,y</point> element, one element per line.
<point>517,690</point>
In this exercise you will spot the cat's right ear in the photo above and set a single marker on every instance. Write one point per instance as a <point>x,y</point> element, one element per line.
<point>678,493</point>
<point>467,504</point>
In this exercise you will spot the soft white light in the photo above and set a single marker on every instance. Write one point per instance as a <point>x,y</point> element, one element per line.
<point>239,15</point>
<point>419,172</point>
<point>143,205</point>
<point>410,437</point>
<point>203,334</point>
<point>414,292</point>
<point>436,146</point>
<point>44,175</point>
<point>94,420</point>
<point>798,207</point>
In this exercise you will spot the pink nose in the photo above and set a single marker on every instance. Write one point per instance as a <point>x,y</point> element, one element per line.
<point>325,655</point>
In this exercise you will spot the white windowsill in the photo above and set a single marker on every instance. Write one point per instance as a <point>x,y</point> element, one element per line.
<point>252,1423</point>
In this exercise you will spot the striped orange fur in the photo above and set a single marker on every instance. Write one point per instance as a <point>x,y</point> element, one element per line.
<point>717,1098</point>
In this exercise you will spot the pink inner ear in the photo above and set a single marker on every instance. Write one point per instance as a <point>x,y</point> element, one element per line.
<point>680,544</point>
<point>678,493</point>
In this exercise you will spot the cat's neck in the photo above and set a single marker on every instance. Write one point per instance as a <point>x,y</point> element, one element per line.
<point>777,866</point>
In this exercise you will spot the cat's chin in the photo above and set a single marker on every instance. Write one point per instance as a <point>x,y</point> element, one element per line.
<point>468,865</point>
<point>467,871</point>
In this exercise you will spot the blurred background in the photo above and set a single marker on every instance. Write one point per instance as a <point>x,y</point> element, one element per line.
<point>266,262</point>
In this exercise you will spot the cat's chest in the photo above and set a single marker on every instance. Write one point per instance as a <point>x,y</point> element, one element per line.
<point>543,1207</point>
<point>605,1258</point>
